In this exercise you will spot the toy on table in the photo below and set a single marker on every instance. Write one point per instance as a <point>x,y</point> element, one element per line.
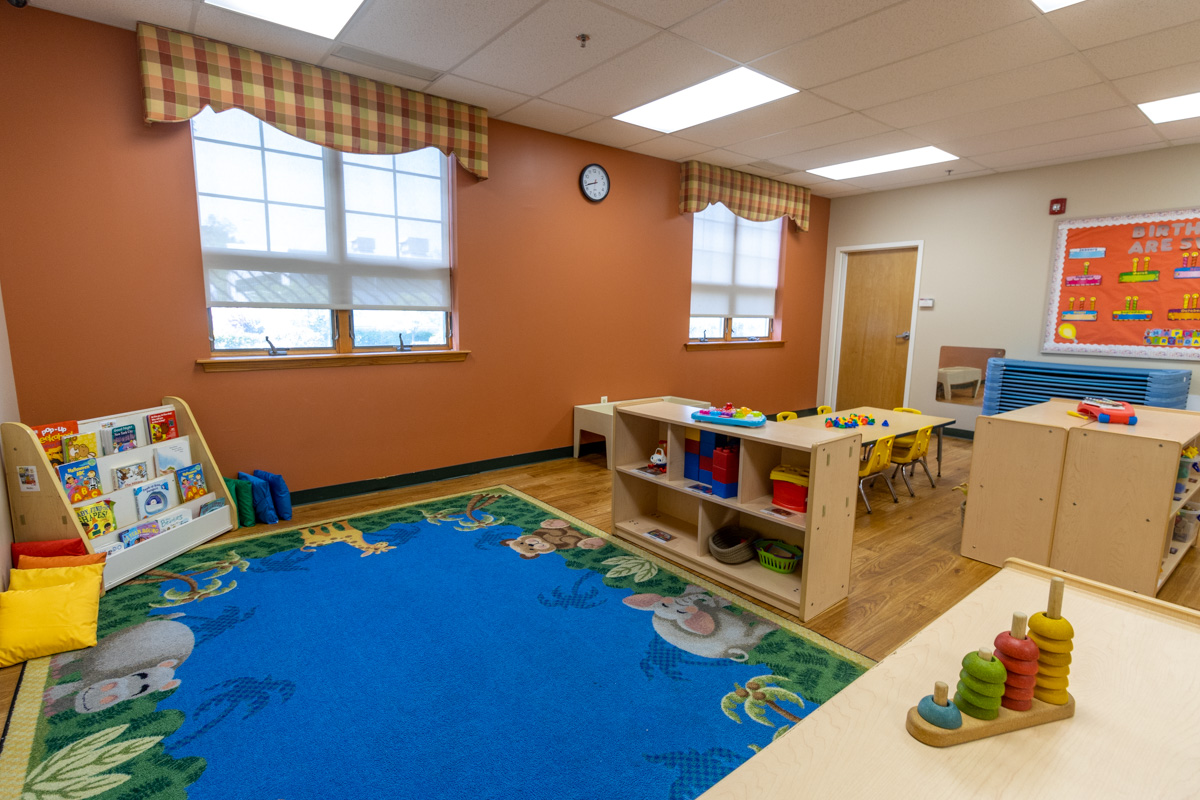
<point>1105,410</point>
<point>852,421</point>
<point>1020,685</point>
<point>729,415</point>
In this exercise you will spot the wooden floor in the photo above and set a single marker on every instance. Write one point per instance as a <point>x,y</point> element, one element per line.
<point>906,568</point>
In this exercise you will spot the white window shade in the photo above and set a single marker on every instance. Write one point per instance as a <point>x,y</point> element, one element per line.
<point>735,264</point>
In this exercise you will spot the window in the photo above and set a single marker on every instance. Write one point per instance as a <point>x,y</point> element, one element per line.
<point>316,249</point>
<point>735,271</point>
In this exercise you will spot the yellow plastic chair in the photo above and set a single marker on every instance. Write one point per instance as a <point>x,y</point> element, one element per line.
<point>915,454</point>
<point>873,467</point>
<point>907,441</point>
<point>824,410</point>
<point>784,416</point>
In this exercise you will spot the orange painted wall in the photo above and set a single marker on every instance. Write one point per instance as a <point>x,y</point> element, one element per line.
<point>559,301</point>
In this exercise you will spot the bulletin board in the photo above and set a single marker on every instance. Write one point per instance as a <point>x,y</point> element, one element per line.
<point>1126,286</point>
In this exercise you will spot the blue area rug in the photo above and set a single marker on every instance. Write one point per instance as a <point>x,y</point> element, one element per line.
<point>484,645</point>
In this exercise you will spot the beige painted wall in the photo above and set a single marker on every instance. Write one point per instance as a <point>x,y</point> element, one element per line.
<point>8,411</point>
<point>987,251</point>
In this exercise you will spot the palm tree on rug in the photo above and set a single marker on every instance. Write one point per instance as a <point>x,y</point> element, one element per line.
<point>195,591</point>
<point>255,693</point>
<point>757,697</point>
<point>471,519</point>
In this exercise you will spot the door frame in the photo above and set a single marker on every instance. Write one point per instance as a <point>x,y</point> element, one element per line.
<point>837,308</point>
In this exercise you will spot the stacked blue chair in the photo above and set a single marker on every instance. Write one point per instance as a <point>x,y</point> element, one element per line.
<point>1012,384</point>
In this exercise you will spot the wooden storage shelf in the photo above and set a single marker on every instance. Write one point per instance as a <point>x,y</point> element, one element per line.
<point>1092,499</point>
<point>643,501</point>
<point>47,514</point>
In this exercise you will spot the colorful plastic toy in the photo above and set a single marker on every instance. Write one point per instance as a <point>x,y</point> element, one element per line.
<point>729,415</point>
<point>852,421</point>
<point>1104,410</point>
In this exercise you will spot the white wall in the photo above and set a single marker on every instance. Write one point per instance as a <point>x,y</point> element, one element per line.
<point>987,253</point>
<point>8,413</point>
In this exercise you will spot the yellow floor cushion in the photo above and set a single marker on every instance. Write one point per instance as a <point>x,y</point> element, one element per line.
<point>44,562</point>
<point>49,620</point>
<point>21,579</point>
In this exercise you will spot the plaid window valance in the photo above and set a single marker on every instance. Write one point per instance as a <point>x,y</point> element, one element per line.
<point>749,196</point>
<point>183,73</point>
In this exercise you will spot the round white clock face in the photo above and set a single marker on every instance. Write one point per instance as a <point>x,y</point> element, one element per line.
<point>594,182</point>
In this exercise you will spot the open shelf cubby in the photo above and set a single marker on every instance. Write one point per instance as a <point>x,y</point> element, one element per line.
<point>644,502</point>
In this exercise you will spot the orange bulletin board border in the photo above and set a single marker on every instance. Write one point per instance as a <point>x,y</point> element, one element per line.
<point>1126,286</point>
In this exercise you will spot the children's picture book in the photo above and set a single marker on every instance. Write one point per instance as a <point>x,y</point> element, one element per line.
<point>78,446</point>
<point>658,535</point>
<point>152,498</point>
<point>174,519</point>
<point>120,438</point>
<point>191,482</point>
<point>50,436</point>
<point>130,474</point>
<point>140,533</point>
<point>97,518</point>
<point>779,512</point>
<point>701,488</point>
<point>171,457</point>
<point>81,480</point>
<point>108,550</point>
<point>162,426</point>
<point>211,506</point>
<point>27,477</point>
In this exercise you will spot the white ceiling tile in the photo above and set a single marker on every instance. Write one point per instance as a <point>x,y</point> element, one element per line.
<point>1160,84</point>
<point>1072,150</point>
<point>747,29</point>
<point>838,189</point>
<point>884,143</point>
<point>1114,119</point>
<point>1186,142</point>
<point>496,101</point>
<point>381,75</point>
<point>229,26</point>
<point>547,116</point>
<point>663,13</point>
<point>1148,53</point>
<point>807,179</point>
<point>1028,42</point>
<point>723,158</point>
<point>943,178</point>
<point>1060,105</point>
<point>845,128</point>
<point>930,173</point>
<point>126,13</point>
<point>540,51</point>
<point>438,34</point>
<point>668,147</point>
<point>1060,74</point>
<point>1180,130</point>
<point>896,33</point>
<point>1099,22</point>
<point>1074,158</point>
<point>654,69</point>
<point>614,133</point>
<point>788,112</point>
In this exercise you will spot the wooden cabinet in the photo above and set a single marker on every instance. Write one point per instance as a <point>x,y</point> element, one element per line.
<point>45,513</point>
<point>644,502</point>
<point>1096,500</point>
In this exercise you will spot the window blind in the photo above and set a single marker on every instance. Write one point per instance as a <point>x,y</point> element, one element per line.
<point>735,264</point>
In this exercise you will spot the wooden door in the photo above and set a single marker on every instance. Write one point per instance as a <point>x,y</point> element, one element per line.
<point>876,315</point>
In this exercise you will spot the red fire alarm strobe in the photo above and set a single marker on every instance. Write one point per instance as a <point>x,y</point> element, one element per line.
<point>1058,206</point>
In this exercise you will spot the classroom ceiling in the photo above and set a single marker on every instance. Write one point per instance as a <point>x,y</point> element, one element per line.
<point>996,82</point>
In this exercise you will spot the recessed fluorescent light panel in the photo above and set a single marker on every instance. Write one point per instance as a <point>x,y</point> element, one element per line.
<point>889,163</point>
<point>321,17</point>
<point>1053,5</point>
<point>716,97</point>
<point>1185,106</point>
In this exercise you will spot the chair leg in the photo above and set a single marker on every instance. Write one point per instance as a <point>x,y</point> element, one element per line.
<point>863,492</point>
<point>904,474</point>
<point>888,481</point>
<point>927,473</point>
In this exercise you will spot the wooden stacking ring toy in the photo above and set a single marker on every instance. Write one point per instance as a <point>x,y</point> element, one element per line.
<point>985,668</point>
<point>1021,649</point>
<point>936,709</point>
<point>1048,628</point>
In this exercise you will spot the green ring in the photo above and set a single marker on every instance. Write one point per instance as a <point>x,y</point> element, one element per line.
<point>980,687</point>
<point>975,711</point>
<point>991,671</point>
<point>976,699</point>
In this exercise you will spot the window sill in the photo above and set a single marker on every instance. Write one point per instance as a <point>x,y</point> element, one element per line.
<point>741,345</point>
<point>317,360</point>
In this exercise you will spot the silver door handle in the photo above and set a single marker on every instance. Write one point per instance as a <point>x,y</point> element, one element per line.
<point>903,336</point>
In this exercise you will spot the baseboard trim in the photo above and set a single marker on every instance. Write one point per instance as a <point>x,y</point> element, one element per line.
<point>343,490</point>
<point>960,433</point>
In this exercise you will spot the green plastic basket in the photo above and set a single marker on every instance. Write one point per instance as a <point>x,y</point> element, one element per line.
<point>777,563</point>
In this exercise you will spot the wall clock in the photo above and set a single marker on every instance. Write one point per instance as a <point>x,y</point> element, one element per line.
<point>593,181</point>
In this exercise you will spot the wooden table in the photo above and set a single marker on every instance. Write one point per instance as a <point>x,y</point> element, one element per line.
<point>598,418</point>
<point>899,423</point>
<point>1134,733</point>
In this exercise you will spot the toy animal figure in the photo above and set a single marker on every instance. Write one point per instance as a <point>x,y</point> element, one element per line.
<point>699,623</point>
<point>554,535</point>
<point>125,665</point>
